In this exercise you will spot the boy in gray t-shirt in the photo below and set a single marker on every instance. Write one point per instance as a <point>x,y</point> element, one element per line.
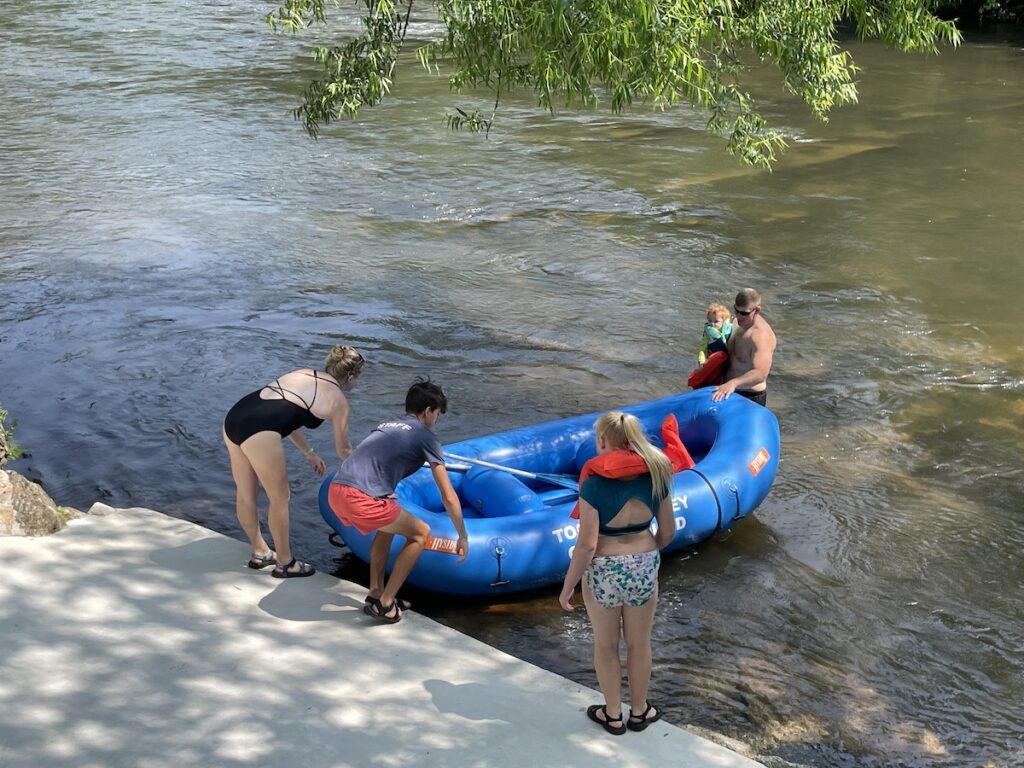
<point>393,450</point>
<point>362,493</point>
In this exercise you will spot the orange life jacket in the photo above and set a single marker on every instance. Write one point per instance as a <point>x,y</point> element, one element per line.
<point>626,463</point>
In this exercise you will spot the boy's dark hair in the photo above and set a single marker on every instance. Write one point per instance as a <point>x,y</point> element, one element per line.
<point>425,394</point>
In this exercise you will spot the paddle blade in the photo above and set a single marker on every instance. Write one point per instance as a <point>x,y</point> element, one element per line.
<point>562,481</point>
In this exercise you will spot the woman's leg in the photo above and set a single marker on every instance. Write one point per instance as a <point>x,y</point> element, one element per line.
<point>607,623</point>
<point>246,492</point>
<point>265,452</point>
<point>637,622</point>
<point>415,531</point>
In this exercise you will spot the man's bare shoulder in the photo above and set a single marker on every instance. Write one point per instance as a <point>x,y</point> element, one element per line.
<point>762,333</point>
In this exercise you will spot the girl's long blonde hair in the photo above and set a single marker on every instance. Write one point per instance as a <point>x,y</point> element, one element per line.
<point>623,430</point>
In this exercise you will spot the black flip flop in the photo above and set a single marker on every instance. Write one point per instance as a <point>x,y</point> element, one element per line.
<point>285,571</point>
<point>616,730</point>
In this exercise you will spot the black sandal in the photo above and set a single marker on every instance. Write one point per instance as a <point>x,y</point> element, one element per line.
<point>375,608</point>
<point>616,730</point>
<point>404,605</point>
<point>284,570</point>
<point>642,720</point>
<point>256,562</point>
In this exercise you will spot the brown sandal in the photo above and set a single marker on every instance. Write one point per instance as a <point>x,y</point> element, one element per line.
<point>284,570</point>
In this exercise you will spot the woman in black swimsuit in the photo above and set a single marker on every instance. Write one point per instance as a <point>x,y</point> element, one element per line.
<point>254,432</point>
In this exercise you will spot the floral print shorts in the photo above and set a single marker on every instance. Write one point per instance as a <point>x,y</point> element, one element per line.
<point>624,579</point>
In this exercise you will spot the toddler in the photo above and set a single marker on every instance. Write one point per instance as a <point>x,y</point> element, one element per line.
<point>717,330</point>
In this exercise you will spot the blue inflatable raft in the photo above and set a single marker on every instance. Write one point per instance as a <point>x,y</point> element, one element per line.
<point>520,532</point>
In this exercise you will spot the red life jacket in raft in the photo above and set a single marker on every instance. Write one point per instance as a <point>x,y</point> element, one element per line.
<point>626,463</point>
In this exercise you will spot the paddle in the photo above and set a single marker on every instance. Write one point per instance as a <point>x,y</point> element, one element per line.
<point>563,481</point>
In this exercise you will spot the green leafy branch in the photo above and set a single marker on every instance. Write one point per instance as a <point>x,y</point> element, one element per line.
<point>655,52</point>
<point>359,73</point>
<point>8,448</point>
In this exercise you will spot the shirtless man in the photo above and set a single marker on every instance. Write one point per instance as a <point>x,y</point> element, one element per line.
<point>751,347</point>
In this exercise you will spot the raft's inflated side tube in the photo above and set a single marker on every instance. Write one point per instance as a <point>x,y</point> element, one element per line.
<point>520,532</point>
<point>494,493</point>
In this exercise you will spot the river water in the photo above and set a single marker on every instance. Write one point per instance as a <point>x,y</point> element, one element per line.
<point>169,239</point>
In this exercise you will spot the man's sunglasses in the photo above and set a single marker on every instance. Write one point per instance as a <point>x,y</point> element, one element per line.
<point>744,312</point>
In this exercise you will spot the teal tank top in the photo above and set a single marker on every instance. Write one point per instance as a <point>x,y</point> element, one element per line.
<point>608,496</point>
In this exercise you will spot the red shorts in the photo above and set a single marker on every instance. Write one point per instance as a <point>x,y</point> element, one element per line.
<point>365,513</point>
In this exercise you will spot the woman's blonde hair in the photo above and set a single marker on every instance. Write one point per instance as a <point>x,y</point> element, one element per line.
<point>623,430</point>
<point>343,363</point>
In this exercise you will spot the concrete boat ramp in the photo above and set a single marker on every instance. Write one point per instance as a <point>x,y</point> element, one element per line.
<point>139,640</point>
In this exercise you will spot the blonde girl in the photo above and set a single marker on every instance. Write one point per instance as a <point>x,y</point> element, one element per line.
<point>617,556</point>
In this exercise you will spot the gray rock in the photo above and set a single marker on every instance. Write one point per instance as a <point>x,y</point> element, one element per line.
<point>99,509</point>
<point>26,509</point>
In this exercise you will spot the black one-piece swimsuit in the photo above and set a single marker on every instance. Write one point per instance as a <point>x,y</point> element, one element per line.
<point>254,414</point>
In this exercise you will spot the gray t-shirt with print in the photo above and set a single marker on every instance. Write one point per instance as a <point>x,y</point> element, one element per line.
<point>394,449</point>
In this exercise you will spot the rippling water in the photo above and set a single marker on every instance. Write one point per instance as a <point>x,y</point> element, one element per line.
<point>169,238</point>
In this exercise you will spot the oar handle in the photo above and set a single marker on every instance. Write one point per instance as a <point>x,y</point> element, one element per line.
<point>450,467</point>
<point>490,465</point>
<point>560,480</point>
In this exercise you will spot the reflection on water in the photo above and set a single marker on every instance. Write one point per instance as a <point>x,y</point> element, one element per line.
<point>169,238</point>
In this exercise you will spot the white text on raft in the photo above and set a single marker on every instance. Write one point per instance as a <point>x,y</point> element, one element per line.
<point>571,531</point>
